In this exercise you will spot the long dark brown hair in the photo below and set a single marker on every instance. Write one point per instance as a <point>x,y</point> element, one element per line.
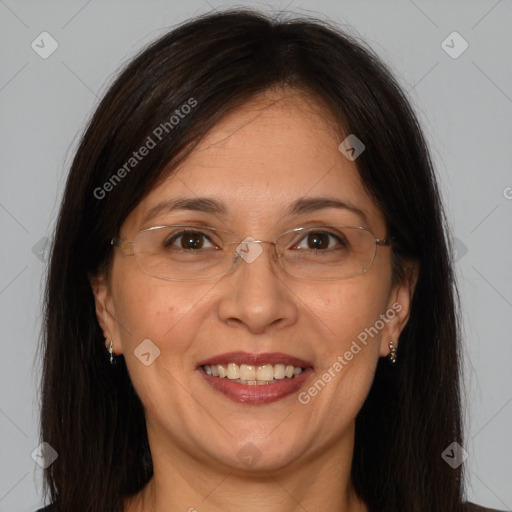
<point>91,414</point>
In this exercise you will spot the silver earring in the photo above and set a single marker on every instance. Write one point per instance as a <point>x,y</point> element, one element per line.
<point>392,353</point>
<point>111,351</point>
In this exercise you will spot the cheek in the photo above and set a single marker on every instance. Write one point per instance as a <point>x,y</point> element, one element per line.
<point>348,351</point>
<point>160,319</point>
<point>147,306</point>
<point>351,308</point>
<point>167,314</point>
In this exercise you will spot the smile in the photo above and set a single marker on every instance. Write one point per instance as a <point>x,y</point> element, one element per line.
<point>253,375</point>
<point>255,378</point>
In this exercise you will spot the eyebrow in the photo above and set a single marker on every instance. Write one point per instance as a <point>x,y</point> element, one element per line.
<point>208,205</point>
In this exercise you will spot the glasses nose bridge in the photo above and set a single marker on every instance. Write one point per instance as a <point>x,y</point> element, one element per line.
<point>250,240</point>
<point>244,250</point>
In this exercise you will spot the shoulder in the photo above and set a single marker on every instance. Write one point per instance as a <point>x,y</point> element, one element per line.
<point>49,508</point>
<point>471,507</point>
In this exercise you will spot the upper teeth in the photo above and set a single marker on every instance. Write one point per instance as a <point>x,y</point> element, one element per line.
<point>251,373</point>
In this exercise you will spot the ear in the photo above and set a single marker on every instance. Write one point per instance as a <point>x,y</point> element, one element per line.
<point>398,308</point>
<point>105,311</point>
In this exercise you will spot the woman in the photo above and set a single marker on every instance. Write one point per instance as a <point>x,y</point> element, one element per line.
<point>251,301</point>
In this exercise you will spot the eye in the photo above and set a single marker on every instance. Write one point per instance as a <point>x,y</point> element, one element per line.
<point>189,240</point>
<point>321,240</point>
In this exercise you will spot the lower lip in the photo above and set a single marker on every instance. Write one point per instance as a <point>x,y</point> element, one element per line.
<point>256,394</point>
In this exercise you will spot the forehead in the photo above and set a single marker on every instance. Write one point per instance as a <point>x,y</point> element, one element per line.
<point>264,156</point>
<point>289,133</point>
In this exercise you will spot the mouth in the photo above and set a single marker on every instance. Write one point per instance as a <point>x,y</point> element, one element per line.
<point>255,378</point>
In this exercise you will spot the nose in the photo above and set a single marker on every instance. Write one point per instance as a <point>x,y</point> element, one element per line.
<point>256,293</point>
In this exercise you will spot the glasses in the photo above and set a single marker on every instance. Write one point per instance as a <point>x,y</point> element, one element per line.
<point>189,253</point>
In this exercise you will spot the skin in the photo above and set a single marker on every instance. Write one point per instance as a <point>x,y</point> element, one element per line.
<point>278,148</point>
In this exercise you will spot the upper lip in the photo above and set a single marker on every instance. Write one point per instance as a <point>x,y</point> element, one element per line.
<point>255,359</point>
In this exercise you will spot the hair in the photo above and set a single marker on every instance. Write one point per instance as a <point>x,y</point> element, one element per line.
<point>90,412</point>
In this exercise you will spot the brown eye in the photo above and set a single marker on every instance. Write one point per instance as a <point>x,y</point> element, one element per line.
<point>320,241</point>
<point>187,240</point>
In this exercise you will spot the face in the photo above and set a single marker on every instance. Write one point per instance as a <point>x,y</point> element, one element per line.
<point>258,161</point>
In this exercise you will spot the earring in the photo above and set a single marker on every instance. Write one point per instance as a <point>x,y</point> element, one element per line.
<point>392,353</point>
<point>111,351</point>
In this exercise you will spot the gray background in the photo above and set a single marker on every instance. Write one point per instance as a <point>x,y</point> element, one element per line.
<point>465,105</point>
